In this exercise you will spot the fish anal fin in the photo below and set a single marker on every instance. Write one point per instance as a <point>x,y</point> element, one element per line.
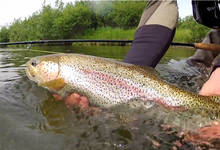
<point>56,84</point>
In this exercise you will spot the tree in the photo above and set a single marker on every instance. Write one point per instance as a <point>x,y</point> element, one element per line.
<point>127,14</point>
<point>47,18</point>
<point>4,34</point>
<point>74,20</point>
<point>198,31</point>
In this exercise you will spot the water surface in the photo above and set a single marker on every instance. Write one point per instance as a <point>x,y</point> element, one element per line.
<point>31,119</point>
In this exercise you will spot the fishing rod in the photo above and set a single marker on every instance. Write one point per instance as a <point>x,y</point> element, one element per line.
<point>204,46</point>
<point>64,41</point>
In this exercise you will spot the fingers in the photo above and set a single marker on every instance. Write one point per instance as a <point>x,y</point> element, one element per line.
<point>84,103</point>
<point>57,97</point>
<point>77,100</point>
<point>211,87</point>
<point>73,99</point>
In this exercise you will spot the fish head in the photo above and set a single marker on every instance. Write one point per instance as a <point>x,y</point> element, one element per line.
<point>43,69</point>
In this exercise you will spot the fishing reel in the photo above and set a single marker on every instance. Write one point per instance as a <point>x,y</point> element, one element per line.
<point>207,12</point>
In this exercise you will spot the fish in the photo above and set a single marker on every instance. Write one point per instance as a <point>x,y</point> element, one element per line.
<point>109,83</point>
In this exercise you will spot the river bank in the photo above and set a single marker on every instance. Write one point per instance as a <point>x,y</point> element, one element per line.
<point>106,33</point>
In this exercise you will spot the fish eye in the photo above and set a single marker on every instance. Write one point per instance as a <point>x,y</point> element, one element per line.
<point>34,63</point>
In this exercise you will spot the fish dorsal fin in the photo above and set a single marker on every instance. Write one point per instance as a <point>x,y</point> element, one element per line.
<point>56,84</point>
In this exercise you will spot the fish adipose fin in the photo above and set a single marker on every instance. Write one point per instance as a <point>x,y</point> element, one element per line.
<point>55,85</point>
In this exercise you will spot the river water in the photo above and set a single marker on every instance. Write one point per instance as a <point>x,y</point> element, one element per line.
<point>31,119</point>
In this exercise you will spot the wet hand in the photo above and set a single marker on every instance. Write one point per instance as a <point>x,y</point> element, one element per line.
<point>212,86</point>
<point>74,100</point>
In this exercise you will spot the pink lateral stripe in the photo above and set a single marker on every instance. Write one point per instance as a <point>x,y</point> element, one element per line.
<point>113,81</point>
<point>132,89</point>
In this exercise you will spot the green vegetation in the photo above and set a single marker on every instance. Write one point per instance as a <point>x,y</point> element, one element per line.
<point>109,33</point>
<point>91,20</point>
<point>189,30</point>
<point>183,35</point>
<point>74,20</point>
<point>4,34</point>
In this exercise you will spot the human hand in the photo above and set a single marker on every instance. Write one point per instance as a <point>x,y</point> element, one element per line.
<point>212,86</point>
<point>74,100</point>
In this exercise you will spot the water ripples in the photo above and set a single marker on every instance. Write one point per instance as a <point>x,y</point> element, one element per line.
<point>31,119</point>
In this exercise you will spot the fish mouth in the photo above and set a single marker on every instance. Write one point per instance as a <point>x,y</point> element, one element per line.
<point>29,75</point>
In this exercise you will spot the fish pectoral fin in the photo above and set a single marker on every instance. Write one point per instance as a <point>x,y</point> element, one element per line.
<point>139,102</point>
<point>56,84</point>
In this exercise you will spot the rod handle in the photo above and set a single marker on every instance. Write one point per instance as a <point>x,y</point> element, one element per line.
<point>205,46</point>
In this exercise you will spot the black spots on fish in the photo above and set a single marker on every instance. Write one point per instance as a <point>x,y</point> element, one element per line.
<point>45,73</point>
<point>133,103</point>
<point>193,105</point>
<point>50,66</point>
<point>72,80</point>
<point>68,65</point>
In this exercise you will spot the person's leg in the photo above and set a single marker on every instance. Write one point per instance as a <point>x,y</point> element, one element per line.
<point>154,34</point>
<point>206,57</point>
<point>208,61</point>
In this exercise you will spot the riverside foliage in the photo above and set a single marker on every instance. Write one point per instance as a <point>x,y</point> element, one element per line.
<point>90,19</point>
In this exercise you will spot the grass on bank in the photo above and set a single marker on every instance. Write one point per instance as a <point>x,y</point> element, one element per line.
<point>182,35</point>
<point>109,33</point>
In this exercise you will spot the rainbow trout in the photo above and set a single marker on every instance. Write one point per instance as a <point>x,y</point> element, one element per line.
<point>108,83</point>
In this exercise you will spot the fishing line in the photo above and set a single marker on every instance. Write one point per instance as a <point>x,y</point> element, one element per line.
<point>31,50</point>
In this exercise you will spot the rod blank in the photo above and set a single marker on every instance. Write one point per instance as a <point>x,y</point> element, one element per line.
<point>204,46</point>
